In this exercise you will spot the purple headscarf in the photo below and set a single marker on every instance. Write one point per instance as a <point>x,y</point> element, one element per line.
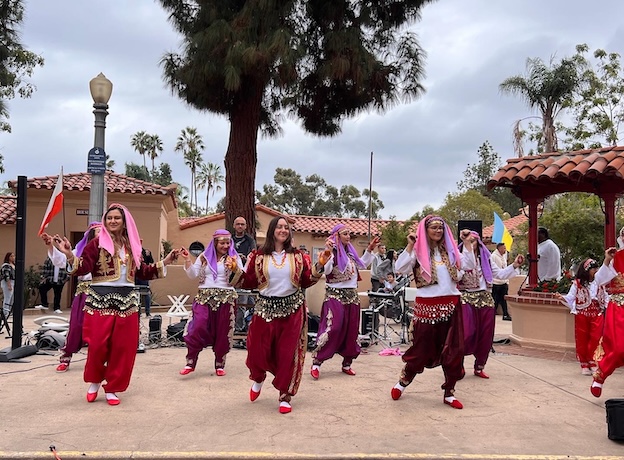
<point>210,253</point>
<point>422,249</point>
<point>342,253</point>
<point>484,255</point>
<point>85,239</point>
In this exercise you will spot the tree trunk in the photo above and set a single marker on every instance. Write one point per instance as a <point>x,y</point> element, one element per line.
<point>242,157</point>
<point>550,135</point>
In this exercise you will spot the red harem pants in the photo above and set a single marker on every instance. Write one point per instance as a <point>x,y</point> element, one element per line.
<point>210,328</point>
<point>112,349</point>
<point>279,347</point>
<point>338,332</point>
<point>612,341</point>
<point>587,331</point>
<point>441,343</point>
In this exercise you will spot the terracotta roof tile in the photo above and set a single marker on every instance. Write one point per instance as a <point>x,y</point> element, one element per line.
<point>568,171</point>
<point>324,225</point>
<point>114,183</point>
<point>512,224</point>
<point>8,209</point>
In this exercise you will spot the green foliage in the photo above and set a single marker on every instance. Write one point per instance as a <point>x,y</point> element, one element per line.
<point>561,285</point>
<point>394,235</point>
<point>317,61</point>
<point>211,177</point>
<point>167,246</point>
<point>32,280</point>
<point>477,176</point>
<point>547,88</point>
<point>470,205</point>
<point>191,145</point>
<point>162,175</point>
<point>138,172</point>
<point>575,223</point>
<point>314,197</point>
<point>16,63</point>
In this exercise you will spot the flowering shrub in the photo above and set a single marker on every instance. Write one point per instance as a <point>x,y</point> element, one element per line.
<point>561,285</point>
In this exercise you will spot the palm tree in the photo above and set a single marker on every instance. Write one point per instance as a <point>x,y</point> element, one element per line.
<point>211,177</point>
<point>549,88</point>
<point>139,141</point>
<point>191,145</point>
<point>154,148</point>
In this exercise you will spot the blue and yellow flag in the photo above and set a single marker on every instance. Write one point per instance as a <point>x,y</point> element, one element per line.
<point>501,234</point>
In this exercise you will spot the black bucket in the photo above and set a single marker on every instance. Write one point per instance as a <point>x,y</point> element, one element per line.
<point>615,419</point>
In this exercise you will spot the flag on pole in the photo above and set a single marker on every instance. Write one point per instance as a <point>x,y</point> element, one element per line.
<point>501,234</point>
<point>55,205</point>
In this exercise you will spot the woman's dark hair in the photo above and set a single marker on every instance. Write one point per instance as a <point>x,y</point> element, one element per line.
<point>91,234</point>
<point>7,257</point>
<point>390,255</point>
<point>269,244</point>
<point>582,273</point>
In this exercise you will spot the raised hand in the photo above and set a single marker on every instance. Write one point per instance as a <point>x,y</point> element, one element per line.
<point>324,257</point>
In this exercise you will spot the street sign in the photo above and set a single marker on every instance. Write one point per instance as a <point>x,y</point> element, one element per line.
<point>96,161</point>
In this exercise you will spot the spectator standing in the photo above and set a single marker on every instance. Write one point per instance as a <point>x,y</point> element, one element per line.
<point>549,257</point>
<point>146,295</point>
<point>7,272</point>
<point>378,257</point>
<point>243,244</point>
<point>54,278</point>
<point>500,287</point>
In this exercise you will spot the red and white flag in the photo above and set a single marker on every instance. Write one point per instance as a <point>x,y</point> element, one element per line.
<point>55,205</point>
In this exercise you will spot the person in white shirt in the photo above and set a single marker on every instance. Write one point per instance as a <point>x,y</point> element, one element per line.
<point>549,257</point>
<point>214,306</point>
<point>437,326</point>
<point>500,287</point>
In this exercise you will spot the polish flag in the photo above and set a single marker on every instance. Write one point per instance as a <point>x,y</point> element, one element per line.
<point>55,205</point>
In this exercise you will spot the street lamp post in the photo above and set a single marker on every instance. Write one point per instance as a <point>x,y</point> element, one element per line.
<point>101,89</point>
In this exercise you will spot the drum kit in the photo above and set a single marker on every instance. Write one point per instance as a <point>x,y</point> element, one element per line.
<point>395,309</point>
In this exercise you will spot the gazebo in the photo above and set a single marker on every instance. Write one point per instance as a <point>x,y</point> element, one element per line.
<point>534,178</point>
<point>539,318</point>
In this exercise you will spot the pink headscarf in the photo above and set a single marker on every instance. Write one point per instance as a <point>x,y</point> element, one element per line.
<point>106,241</point>
<point>210,253</point>
<point>484,255</point>
<point>85,238</point>
<point>423,253</point>
<point>342,253</point>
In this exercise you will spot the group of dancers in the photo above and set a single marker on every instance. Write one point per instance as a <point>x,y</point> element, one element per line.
<point>453,313</point>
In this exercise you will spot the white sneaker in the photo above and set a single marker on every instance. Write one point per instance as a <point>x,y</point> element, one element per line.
<point>58,312</point>
<point>40,307</point>
<point>586,371</point>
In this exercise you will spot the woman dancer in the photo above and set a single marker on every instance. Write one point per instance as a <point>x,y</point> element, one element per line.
<point>340,314</point>
<point>111,324</point>
<point>476,297</point>
<point>214,307</point>
<point>74,340</point>
<point>437,336</point>
<point>8,283</point>
<point>586,300</point>
<point>277,337</point>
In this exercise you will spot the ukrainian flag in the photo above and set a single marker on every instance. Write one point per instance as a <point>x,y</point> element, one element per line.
<point>501,234</point>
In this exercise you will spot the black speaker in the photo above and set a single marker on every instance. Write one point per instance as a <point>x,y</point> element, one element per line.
<point>474,225</point>
<point>370,322</point>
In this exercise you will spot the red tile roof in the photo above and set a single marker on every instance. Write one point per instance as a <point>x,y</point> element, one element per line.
<point>189,222</point>
<point>512,224</point>
<point>8,209</point>
<point>114,183</point>
<point>581,171</point>
<point>324,225</point>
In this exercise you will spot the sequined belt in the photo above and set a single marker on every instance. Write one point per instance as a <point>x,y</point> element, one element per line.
<point>112,300</point>
<point>478,299</point>
<point>617,299</point>
<point>346,296</point>
<point>83,287</point>
<point>435,309</point>
<point>270,308</point>
<point>215,297</point>
<point>592,311</point>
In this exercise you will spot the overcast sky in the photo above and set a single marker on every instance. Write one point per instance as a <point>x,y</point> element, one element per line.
<point>421,149</point>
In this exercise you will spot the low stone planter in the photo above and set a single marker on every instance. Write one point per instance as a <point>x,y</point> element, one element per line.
<point>540,320</point>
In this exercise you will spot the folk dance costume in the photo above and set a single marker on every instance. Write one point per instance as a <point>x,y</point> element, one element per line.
<point>436,333</point>
<point>610,352</point>
<point>277,336</point>
<point>479,312</point>
<point>74,340</point>
<point>214,307</point>
<point>587,303</point>
<point>340,314</point>
<point>111,323</point>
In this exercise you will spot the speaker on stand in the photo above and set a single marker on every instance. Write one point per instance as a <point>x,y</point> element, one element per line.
<point>474,225</point>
